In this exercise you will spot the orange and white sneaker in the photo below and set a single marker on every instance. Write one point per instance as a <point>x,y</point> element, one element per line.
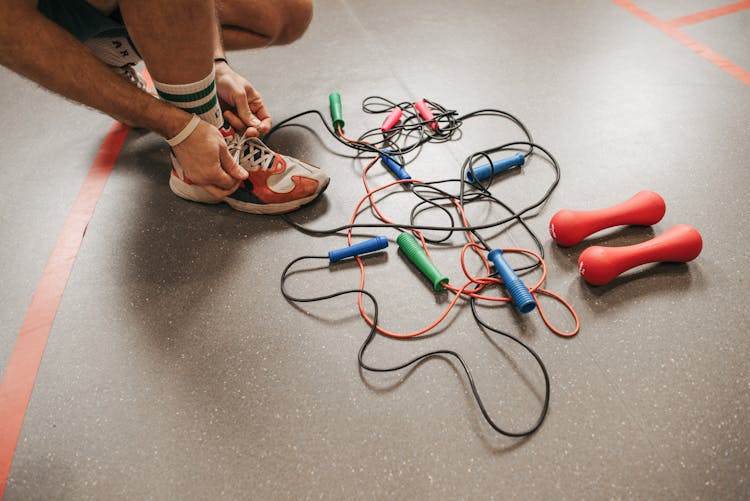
<point>276,183</point>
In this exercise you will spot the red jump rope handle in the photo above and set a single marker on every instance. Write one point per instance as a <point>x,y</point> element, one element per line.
<point>569,227</point>
<point>600,265</point>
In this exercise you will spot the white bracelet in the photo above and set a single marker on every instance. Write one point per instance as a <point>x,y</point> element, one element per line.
<point>185,133</point>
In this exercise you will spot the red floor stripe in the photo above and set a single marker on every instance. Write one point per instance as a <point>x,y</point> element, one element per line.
<point>699,17</point>
<point>725,64</point>
<point>18,381</point>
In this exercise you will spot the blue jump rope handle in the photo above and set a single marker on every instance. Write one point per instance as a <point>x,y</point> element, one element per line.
<point>394,166</point>
<point>371,245</point>
<point>487,171</point>
<point>522,298</point>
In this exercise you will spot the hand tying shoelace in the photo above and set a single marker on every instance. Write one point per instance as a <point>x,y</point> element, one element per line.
<point>276,184</point>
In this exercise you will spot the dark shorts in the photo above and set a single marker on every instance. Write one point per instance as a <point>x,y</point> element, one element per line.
<point>83,21</point>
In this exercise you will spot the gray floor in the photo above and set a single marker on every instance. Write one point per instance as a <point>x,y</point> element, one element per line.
<point>175,369</point>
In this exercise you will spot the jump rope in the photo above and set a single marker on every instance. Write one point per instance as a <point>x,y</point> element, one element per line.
<point>406,129</point>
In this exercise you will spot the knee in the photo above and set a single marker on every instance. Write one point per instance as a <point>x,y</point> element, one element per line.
<point>256,23</point>
<point>293,18</point>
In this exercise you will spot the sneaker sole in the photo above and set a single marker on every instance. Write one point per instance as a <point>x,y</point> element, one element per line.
<point>191,192</point>
<point>197,194</point>
<point>274,209</point>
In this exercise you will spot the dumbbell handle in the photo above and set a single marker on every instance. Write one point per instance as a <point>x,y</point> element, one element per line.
<point>569,227</point>
<point>600,265</point>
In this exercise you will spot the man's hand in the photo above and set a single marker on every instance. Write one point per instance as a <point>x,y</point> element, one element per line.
<point>242,104</point>
<point>207,162</point>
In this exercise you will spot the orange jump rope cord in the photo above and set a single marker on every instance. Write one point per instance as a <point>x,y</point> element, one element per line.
<point>481,282</point>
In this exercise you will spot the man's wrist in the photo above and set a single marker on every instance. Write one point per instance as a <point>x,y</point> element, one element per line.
<point>165,119</point>
<point>185,132</point>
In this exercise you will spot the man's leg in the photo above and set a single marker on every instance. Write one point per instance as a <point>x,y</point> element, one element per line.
<point>249,24</point>
<point>177,40</point>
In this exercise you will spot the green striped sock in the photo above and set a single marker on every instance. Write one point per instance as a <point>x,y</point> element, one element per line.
<point>198,97</point>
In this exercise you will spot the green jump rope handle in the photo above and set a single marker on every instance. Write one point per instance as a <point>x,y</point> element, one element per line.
<point>416,254</point>
<point>334,100</point>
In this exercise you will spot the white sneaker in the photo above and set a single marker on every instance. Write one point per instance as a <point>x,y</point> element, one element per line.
<point>119,53</point>
<point>276,184</point>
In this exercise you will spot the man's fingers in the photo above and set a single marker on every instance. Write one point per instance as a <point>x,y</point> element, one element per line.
<point>218,192</point>
<point>235,170</point>
<point>218,175</point>
<point>235,121</point>
<point>221,179</point>
<point>265,126</point>
<point>239,126</point>
<point>205,158</point>
<point>243,110</point>
<point>259,109</point>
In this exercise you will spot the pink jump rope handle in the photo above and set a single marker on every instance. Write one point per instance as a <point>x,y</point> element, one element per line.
<point>600,265</point>
<point>569,227</point>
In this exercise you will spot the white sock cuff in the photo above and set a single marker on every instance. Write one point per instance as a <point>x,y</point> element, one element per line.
<point>189,88</point>
<point>197,97</point>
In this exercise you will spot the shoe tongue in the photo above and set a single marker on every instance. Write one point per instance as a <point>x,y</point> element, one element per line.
<point>226,130</point>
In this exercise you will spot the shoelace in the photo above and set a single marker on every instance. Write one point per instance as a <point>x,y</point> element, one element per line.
<point>257,152</point>
<point>235,144</point>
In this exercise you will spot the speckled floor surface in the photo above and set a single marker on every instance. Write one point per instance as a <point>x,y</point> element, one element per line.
<point>175,369</point>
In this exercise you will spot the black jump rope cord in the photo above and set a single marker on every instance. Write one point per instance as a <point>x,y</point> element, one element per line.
<point>431,354</point>
<point>413,133</point>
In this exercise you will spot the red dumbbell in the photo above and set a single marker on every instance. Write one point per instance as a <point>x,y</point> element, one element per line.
<point>600,265</point>
<point>569,227</point>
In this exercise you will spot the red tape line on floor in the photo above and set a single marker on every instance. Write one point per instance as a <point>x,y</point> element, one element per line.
<point>666,27</point>
<point>707,15</point>
<point>26,357</point>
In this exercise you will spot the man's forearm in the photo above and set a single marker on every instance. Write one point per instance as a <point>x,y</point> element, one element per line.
<point>37,48</point>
